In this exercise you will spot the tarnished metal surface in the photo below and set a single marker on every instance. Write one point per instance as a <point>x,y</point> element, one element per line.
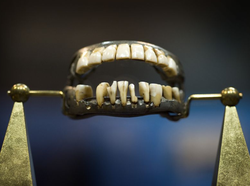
<point>234,159</point>
<point>15,158</point>
<point>171,108</point>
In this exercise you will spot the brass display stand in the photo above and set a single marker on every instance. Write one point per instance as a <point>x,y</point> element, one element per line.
<point>233,160</point>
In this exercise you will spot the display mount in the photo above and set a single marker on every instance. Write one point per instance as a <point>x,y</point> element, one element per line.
<point>233,160</point>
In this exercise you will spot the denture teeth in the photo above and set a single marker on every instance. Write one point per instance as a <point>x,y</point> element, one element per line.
<point>96,57</point>
<point>144,91</point>
<point>171,70</point>
<point>123,52</point>
<point>83,91</point>
<point>162,59</point>
<point>82,64</point>
<point>158,52</point>
<point>123,89</point>
<point>167,92</point>
<point>101,91</point>
<point>137,51</point>
<point>150,55</point>
<point>176,93</point>
<point>112,92</point>
<point>109,53</point>
<point>155,93</point>
<point>134,99</point>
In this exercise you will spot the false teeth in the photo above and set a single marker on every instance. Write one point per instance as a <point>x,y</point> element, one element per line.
<point>101,91</point>
<point>123,89</point>
<point>137,51</point>
<point>167,92</point>
<point>162,59</point>
<point>171,70</point>
<point>123,51</point>
<point>150,55</point>
<point>82,64</point>
<point>83,91</point>
<point>96,57</point>
<point>109,53</point>
<point>134,99</point>
<point>144,91</point>
<point>155,93</point>
<point>112,92</point>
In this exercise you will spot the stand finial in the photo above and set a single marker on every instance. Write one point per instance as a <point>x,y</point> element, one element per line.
<point>230,96</point>
<point>19,92</point>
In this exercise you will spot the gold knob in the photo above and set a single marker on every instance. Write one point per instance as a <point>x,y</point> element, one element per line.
<point>230,96</point>
<point>19,92</point>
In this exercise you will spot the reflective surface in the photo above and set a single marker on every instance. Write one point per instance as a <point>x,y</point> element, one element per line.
<point>16,166</point>
<point>233,156</point>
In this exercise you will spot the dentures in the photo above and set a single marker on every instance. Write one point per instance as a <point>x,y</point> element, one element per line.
<point>90,58</point>
<point>150,93</point>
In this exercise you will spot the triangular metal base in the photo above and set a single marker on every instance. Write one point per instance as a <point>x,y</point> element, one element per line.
<point>16,167</point>
<point>233,160</point>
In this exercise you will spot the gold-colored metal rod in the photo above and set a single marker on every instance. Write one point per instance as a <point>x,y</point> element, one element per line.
<point>199,97</point>
<point>46,93</point>
<point>21,93</point>
<point>43,93</point>
<point>229,97</point>
<point>204,96</point>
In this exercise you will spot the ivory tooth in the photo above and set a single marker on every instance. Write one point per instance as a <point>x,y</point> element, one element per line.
<point>162,59</point>
<point>158,52</point>
<point>171,70</point>
<point>83,91</point>
<point>112,92</point>
<point>123,89</point>
<point>134,99</point>
<point>176,93</point>
<point>96,57</point>
<point>167,92</point>
<point>150,55</point>
<point>82,64</point>
<point>155,93</point>
<point>101,91</point>
<point>123,52</point>
<point>137,51</point>
<point>109,53</point>
<point>144,91</point>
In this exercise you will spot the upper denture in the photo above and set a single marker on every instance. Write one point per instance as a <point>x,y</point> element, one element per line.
<point>90,58</point>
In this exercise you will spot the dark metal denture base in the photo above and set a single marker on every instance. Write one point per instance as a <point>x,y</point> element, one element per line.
<point>172,108</point>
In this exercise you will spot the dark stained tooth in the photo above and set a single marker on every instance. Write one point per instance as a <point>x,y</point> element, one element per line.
<point>134,99</point>
<point>101,91</point>
<point>123,88</point>
<point>83,91</point>
<point>167,92</point>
